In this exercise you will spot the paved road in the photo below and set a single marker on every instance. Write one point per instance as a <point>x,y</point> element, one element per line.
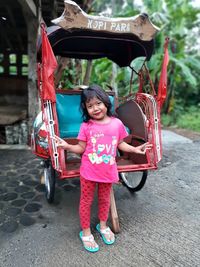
<point>159,225</point>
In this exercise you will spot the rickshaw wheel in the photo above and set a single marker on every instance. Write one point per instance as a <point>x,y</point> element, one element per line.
<point>134,181</point>
<point>49,179</point>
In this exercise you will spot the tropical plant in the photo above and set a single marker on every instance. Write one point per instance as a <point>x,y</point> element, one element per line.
<point>180,22</point>
<point>178,19</point>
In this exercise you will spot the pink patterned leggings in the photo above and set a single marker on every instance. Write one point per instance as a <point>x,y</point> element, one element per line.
<point>86,199</point>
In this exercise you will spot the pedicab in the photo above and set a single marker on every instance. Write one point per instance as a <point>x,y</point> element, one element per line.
<point>121,40</point>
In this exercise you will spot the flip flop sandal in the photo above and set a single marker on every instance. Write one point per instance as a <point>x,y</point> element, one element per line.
<point>103,233</point>
<point>89,238</point>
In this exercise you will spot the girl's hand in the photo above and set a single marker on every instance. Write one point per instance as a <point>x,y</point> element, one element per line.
<point>134,149</point>
<point>60,142</point>
<point>143,148</point>
<point>78,149</point>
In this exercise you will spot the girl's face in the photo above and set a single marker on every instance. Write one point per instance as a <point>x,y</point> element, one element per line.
<point>96,109</point>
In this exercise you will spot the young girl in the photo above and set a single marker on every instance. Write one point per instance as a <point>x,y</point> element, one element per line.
<point>100,136</point>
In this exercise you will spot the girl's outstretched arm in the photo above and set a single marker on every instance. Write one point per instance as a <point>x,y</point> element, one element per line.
<point>134,149</point>
<point>78,149</point>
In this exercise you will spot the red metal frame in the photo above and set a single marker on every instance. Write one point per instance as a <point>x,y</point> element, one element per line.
<point>150,106</point>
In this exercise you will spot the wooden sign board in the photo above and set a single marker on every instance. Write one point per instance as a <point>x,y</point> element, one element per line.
<point>74,17</point>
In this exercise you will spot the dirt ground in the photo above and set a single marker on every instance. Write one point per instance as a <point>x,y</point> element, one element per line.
<point>195,136</point>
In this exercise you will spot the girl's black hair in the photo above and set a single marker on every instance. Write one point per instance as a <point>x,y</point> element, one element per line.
<point>91,92</point>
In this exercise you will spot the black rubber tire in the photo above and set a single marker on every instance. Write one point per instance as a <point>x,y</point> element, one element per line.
<point>127,179</point>
<point>50,180</point>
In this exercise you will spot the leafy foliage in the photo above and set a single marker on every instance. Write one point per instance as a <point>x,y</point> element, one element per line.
<point>188,119</point>
<point>178,20</point>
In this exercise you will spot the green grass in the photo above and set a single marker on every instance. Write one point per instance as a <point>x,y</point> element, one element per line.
<point>189,119</point>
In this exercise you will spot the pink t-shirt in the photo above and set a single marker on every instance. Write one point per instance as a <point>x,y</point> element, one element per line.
<point>98,160</point>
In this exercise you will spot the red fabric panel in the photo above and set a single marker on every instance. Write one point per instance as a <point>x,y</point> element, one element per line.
<point>49,64</point>
<point>162,87</point>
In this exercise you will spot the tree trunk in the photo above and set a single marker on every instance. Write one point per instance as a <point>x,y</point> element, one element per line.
<point>88,72</point>
<point>62,63</point>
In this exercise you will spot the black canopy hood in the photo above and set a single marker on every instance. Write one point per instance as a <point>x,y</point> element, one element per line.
<point>81,36</point>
